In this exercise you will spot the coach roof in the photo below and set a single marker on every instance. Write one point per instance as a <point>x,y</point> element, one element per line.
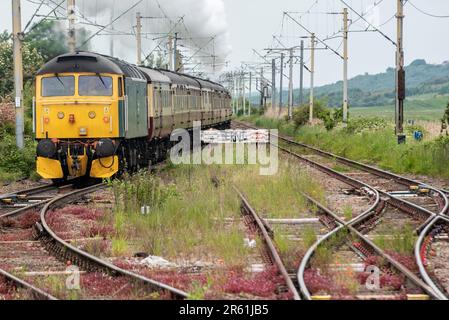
<point>180,79</point>
<point>155,75</point>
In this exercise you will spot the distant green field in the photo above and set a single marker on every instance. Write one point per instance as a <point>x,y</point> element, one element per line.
<point>426,107</point>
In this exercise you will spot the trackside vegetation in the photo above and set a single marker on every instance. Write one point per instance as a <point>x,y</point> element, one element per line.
<point>44,41</point>
<point>372,141</point>
<point>188,214</point>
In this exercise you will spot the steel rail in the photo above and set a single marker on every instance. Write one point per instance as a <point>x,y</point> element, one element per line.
<point>377,172</point>
<point>377,205</point>
<point>373,170</point>
<point>54,243</point>
<point>419,258</point>
<point>277,260</point>
<point>36,292</point>
<point>33,191</point>
<point>396,202</point>
<point>310,252</point>
<point>350,226</point>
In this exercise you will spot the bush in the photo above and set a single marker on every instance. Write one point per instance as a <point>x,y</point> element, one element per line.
<point>360,125</point>
<point>14,163</point>
<point>301,115</point>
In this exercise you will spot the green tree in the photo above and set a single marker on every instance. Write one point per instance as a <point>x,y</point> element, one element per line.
<point>49,39</point>
<point>44,41</point>
<point>32,61</point>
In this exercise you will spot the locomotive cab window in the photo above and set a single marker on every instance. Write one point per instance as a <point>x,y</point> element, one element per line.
<point>58,86</point>
<point>95,86</point>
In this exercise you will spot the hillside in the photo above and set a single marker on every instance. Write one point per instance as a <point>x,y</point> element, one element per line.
<point>378,89</point>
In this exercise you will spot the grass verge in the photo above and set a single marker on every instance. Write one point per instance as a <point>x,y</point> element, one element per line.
<point>371,141</point>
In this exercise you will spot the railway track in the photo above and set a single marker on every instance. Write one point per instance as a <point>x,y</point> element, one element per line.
<point>255,220</point>
<point>15,203</point>
<point>380,179</point>
<point>352,246</point>
<point>359,246</point>
<point>432,253</point>
<point>418,211</point>
<point>33,257</point>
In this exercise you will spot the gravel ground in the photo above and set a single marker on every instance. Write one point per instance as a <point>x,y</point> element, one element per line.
<point>21,185</point>
<point>337,196</point>
<point>438,262</point>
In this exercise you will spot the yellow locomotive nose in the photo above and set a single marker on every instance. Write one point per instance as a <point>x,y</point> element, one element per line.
<point>64,121</point>
<point>77,105</point>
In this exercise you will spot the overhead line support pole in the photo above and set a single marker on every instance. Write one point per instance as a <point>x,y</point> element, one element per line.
<point>312,75</point>
<point>244,92</point>
<point>281,84</point>
<point>139,38</point>
<point>250,92</point>
<point>234,74</point>
<point>175,54</point>
<point>262,89</point>
<point>72,19</point>
<point>290,87</point>
<point>301,74</point>
<point>18,71</point>
<point>170,50</point>
<point>111,40</point>
<point>345,65</point>
<point>273,84</point>
<point>400,72</point>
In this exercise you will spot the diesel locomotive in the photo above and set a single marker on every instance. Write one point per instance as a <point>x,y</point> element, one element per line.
<point>97,116</point>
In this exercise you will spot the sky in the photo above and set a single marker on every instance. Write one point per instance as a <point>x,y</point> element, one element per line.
<point>250,24</point>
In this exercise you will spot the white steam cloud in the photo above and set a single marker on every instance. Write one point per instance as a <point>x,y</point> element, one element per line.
<point>203,19</point>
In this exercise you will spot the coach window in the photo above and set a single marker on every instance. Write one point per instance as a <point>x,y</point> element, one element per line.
<point>175,100</point>
<point>190,99</point>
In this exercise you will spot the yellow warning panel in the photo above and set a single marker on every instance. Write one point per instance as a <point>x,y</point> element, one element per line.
<point>104,168</point>
<point>49,168</point>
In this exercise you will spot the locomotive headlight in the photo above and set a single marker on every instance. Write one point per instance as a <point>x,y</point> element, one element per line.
<point>83,131</point>
<point>92,114</point>
<point>61,115</point>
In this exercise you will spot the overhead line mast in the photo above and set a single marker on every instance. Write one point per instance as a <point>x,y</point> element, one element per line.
<point>139,38</point>
<point>18,71</point>
<point>72,31</point>
<point>345,65</point>
<point>400,73</point>
<point>312,75</point>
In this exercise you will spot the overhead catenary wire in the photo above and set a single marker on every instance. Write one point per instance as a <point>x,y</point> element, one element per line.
<point>44,18</point>
<point>427,13</point>
<point>112,22</point>
<point>369,23</point>
<point>33,16</point>
<point>309,32</point>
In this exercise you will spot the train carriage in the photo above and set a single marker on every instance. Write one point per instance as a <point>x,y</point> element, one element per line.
<point>96,115</point>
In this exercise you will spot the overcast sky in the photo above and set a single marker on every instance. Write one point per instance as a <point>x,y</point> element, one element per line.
<point>252,24</point>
